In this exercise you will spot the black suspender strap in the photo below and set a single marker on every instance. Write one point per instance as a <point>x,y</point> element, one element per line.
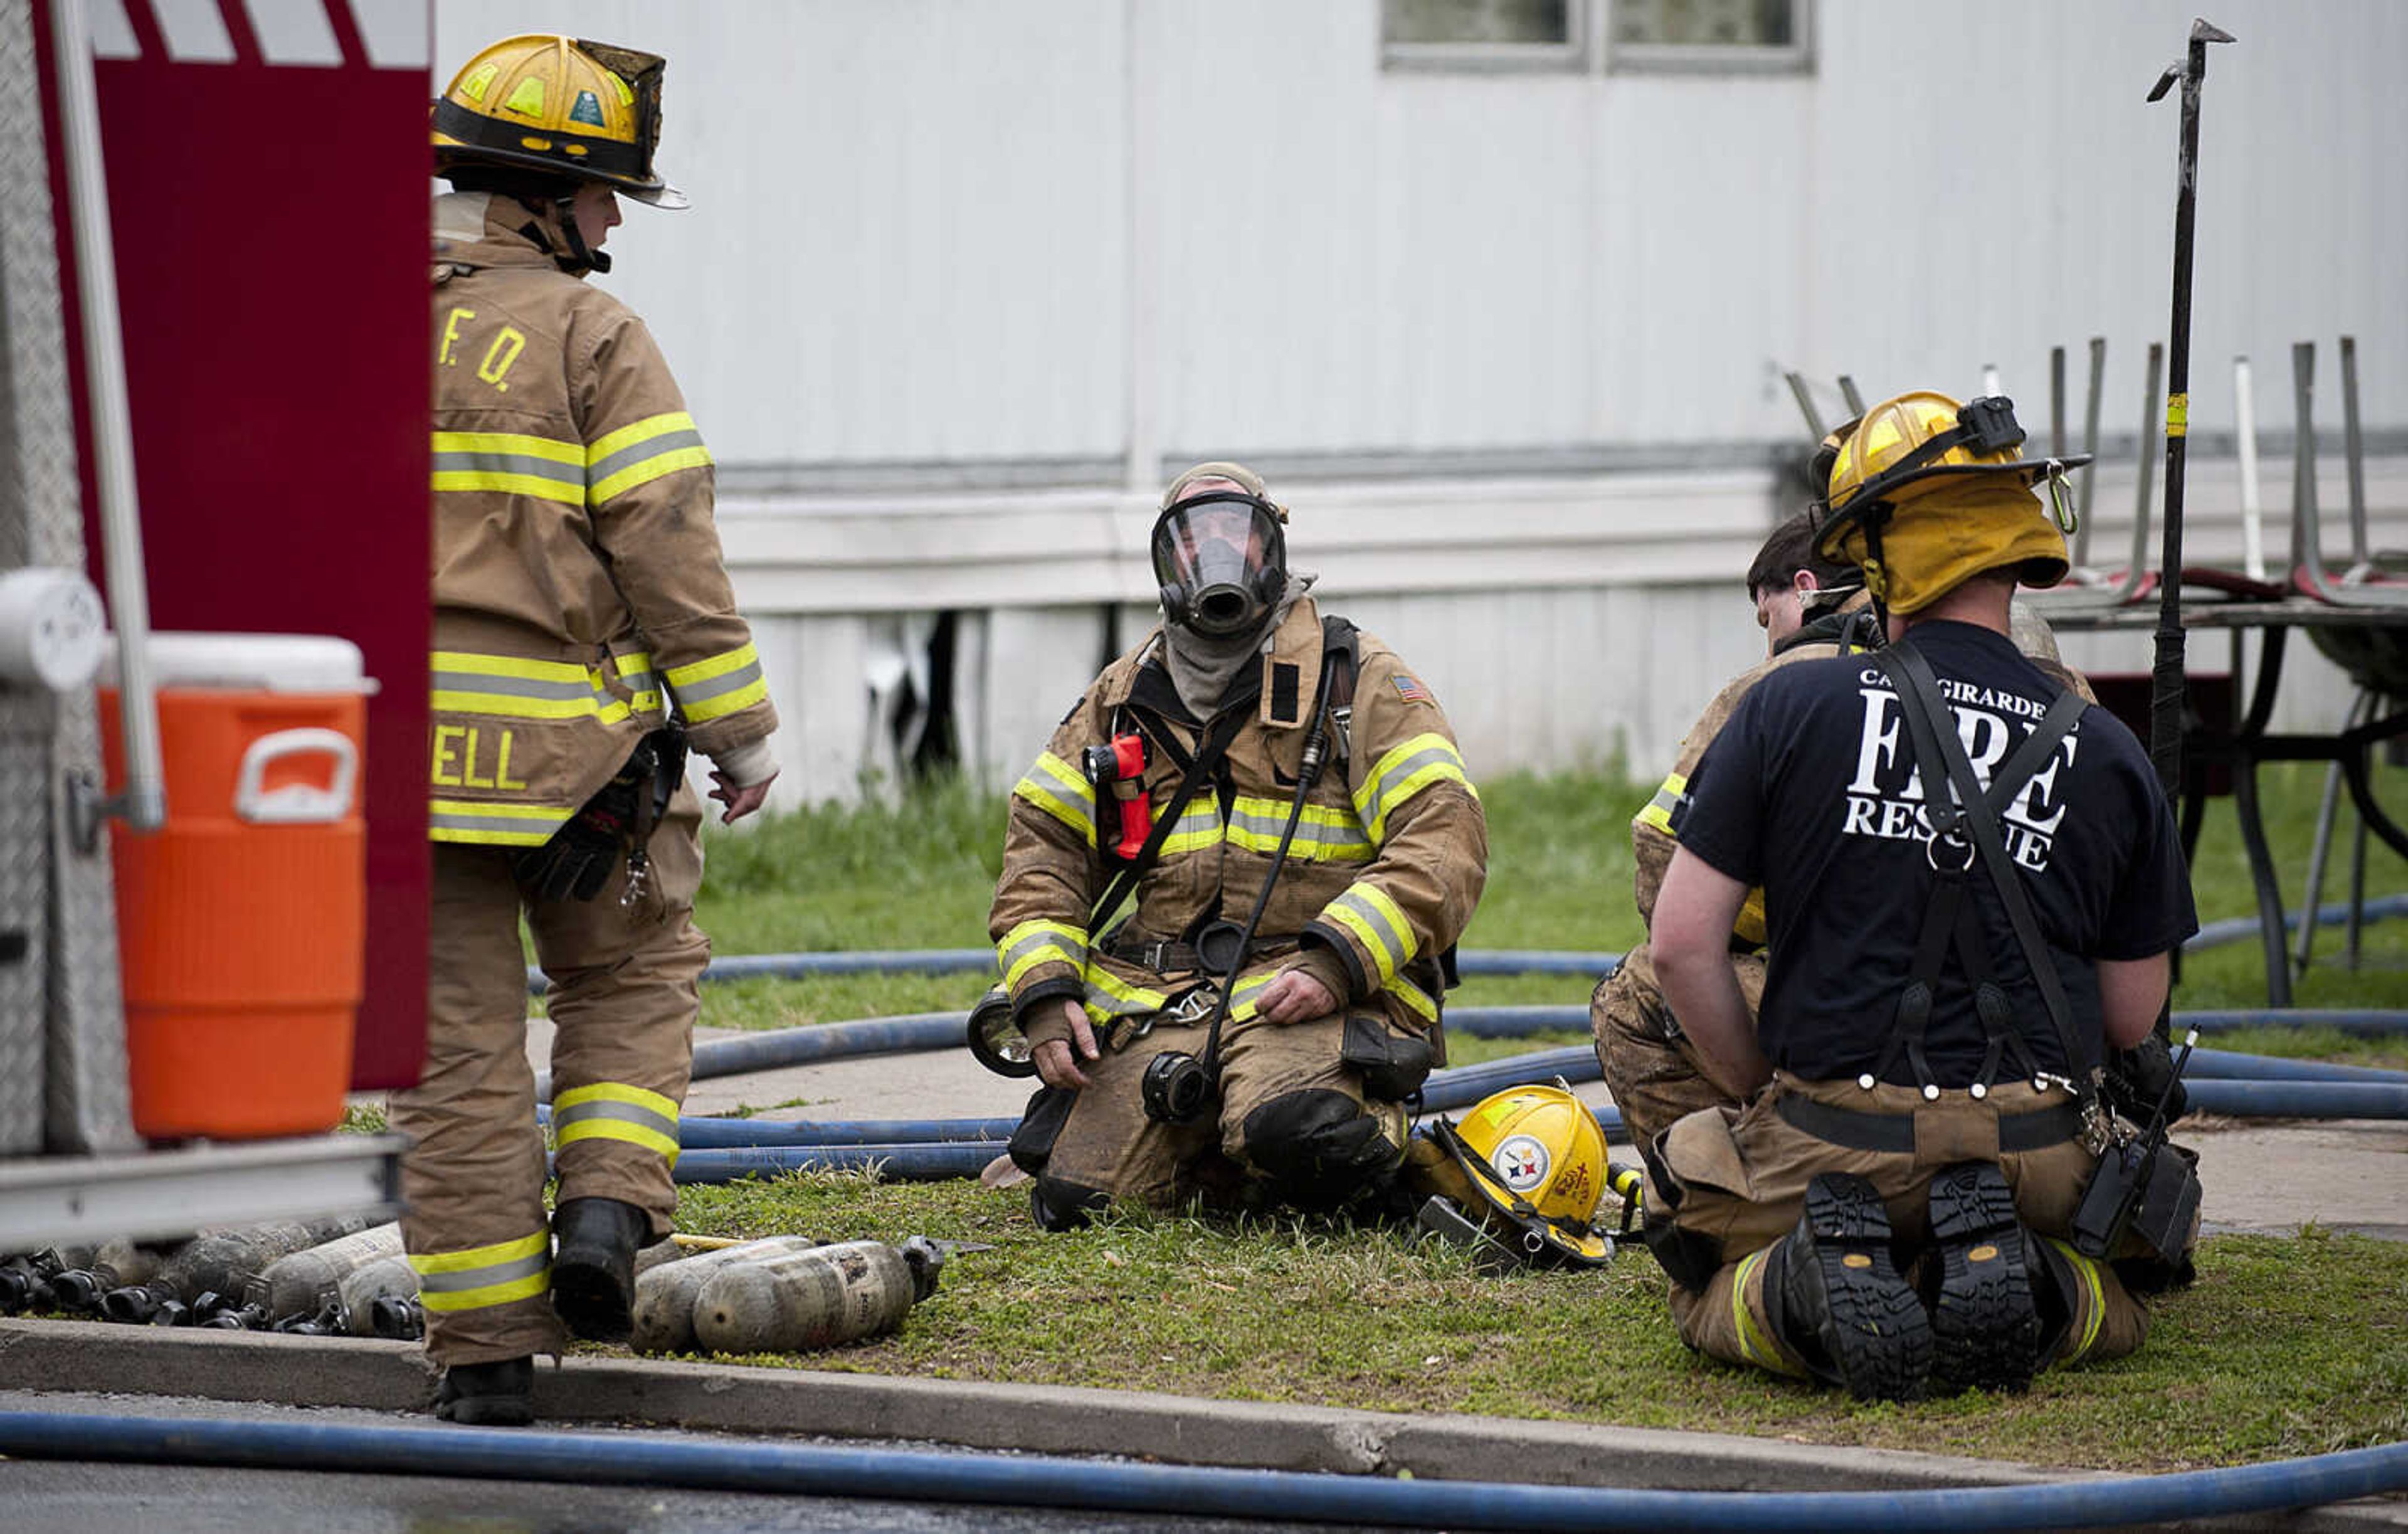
<point>1972,816</point>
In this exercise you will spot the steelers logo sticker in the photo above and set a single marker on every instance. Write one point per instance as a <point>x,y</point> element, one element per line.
<point>1522,1162</point>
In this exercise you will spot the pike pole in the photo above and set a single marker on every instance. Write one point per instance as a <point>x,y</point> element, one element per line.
<point>2166,684</point>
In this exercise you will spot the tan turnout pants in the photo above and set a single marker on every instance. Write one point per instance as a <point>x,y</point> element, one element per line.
<point>1649,1065</point>
<point>622,1000</point>
<point>1742,1176</point>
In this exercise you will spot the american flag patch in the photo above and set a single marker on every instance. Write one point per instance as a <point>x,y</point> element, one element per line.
<point>1410,688</point>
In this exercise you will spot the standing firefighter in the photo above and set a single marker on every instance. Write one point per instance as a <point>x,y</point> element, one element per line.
<point>584,633</point>
<point>1181,1055</point>
<point>1971,885</point>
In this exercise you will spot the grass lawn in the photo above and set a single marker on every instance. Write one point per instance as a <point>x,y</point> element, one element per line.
<point>2285,1347</point>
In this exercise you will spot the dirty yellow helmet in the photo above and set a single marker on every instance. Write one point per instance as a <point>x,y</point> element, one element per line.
<point>583,110</point>
<point>1926,493</point>
<point>1536,1159</point>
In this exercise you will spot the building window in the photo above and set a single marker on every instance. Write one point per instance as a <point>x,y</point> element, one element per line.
<point>1485,34</point>
<point>1708,35</point>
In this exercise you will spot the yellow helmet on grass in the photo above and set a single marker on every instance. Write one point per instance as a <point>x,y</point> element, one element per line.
<point>1535,1161</point>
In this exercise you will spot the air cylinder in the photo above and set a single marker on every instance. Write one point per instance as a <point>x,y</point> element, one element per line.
<point>226,1261</point>
<point>665,1295</point>
<point>378,1288</point>
<point>304,1282</point>
<point>820,1299</point>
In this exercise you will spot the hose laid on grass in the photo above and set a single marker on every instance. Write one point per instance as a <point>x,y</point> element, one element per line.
<point>1040,1480</point>
<point>929,1161</point>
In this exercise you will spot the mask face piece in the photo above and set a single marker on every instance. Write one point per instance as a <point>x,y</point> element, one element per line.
<point>1221,562</point>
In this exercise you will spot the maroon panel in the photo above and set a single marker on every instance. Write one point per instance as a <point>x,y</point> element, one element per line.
<point>271,224</point>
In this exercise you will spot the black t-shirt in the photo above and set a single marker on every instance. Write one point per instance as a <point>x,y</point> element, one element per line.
<point>1808,791</point>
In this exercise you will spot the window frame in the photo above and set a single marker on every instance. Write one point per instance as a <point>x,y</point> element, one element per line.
<point>1575,56</point>
<point>1793,58</point>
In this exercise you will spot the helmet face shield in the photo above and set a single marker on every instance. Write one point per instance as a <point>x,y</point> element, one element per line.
<point>1221,562</point>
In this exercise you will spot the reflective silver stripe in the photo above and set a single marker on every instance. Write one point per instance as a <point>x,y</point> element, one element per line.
<point>711,687</point>
<point>1376,791</point>
<point>625,1113</point>
<point>1375,926</point>
<point>487,682</point>
<point>478,1278</point>
<point>650,447</point>
<point>536,827</point>
<point>1314,839</point>
<point>1038,943</point>
<point>571,475</point>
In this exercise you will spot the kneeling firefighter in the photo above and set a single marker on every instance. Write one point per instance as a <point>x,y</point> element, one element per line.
<point>584,633</point>
<point>1286,802</point>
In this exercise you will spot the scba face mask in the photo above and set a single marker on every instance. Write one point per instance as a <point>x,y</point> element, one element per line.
<point>1221,562</point>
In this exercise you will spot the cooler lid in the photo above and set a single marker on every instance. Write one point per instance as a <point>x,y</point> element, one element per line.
<point>267,663</point>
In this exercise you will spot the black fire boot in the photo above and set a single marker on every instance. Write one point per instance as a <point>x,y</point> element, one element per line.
<point>1838,1301</point>
<point>1984,1323</point>
<point>593,1272</point>
<point>496,1394</point>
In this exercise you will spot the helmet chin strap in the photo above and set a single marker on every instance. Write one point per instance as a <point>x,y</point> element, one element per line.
<point>579,258</point>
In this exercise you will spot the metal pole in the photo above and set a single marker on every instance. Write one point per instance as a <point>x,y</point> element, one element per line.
<point>2089,448</point>
<point>2166,685</point>
<point>2056,402</point>
<point>1848,392</point>
<point>145,800</point>
<point>2352,455</point>
<point>2253,514</point>
<point>1806,406</point>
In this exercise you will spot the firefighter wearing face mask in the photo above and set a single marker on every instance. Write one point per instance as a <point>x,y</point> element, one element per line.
<point>584,633</point>
<point>1332,1019</point>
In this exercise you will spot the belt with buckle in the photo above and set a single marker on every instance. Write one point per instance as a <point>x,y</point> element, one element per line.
<point>1856,1130</point>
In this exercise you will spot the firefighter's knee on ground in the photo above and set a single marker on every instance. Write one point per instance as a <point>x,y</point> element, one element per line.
<point>1319,1144</point>
<point>1058,1204</point>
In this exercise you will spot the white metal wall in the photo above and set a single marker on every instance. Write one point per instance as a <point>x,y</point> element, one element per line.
<point>949,230</point>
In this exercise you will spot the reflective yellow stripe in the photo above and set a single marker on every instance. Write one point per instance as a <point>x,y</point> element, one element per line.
<point>718,685</point>
<point>515,443</point>
<point>1198,827</point>
<point>478,822</point>
<point>1403,772</point>
<point>484,1276</point>
<point>1323,835</point>
<point>1412,995</point>
<point>1760,1348</point>
<point>1110,997</point>
<point>1365,910</point>
<point>509,687</point>
<point>1057,788</point>
<point>641,453</point>
<point>1658,812</point>
<point>616,1110</point>
<point>511,463</point>
<point>1032,943</point>
<point>2094,1305</point>
<point>1247,991</point>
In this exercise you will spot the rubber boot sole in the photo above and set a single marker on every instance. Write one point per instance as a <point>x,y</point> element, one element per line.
<point>1985,1327</point>
<point>1869,1319</point>
<point>488,1411</point>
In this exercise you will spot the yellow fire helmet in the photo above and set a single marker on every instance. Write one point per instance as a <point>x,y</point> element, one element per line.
<point>585,110</point>
<point>1925,493</point>
<point>1536,1157</point>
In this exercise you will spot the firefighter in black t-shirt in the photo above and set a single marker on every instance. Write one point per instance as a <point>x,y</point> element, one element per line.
<point>1888,1209</point>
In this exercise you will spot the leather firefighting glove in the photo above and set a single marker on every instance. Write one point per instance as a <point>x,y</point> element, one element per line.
<point>578,859</point>
<point>2139,1076</point>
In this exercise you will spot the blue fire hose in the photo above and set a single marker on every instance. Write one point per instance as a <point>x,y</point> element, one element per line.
<point>1052,1482</point>
<point>1498,960</point>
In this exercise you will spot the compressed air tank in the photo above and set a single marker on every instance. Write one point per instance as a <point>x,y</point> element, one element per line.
<point>803,1301</point>
<point>225,1261</point>
<point>114,1265</point>
<point>380,1287</point>
<point>304,1283</point>
<point>666,1293</point>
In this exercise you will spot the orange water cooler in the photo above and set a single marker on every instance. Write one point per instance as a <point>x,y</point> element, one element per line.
<point>241,923</point>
